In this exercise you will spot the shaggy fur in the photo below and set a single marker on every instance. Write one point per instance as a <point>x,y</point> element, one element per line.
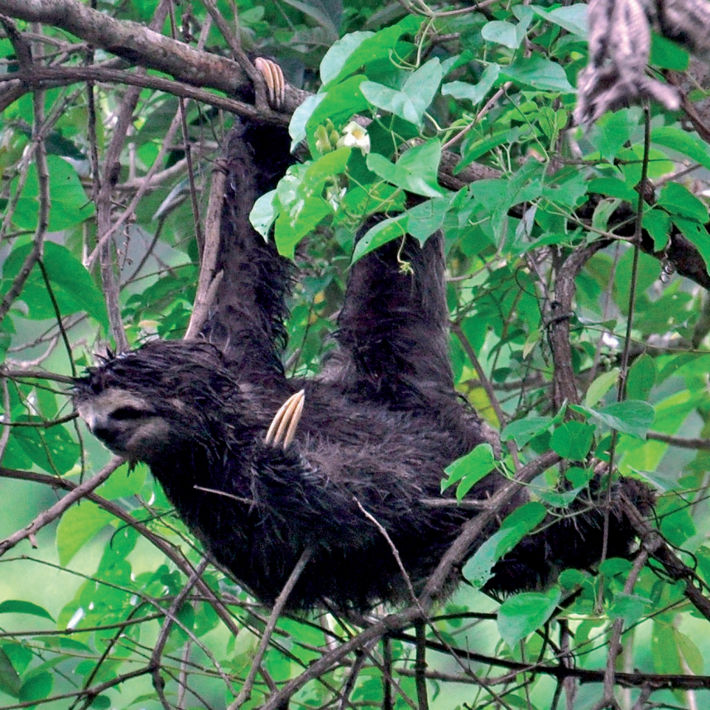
<point>378,428</point>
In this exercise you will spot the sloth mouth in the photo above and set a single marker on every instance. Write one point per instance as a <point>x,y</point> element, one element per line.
<point>111,438</point>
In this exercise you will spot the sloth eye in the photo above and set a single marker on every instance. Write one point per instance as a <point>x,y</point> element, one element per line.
<point>125,413</point>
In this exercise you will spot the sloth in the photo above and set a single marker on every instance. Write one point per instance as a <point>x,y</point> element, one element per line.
<point>340,468</point>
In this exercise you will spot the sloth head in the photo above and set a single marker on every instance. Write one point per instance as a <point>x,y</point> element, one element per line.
<point>157,400</point>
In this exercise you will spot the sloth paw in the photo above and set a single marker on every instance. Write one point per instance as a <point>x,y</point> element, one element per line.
<point>283,426</point>
<point>274,79</point>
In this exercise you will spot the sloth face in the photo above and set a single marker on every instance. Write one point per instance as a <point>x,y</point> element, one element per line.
<point>125,423</point>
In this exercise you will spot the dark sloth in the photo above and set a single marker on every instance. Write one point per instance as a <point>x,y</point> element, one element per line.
<point>375,433</point>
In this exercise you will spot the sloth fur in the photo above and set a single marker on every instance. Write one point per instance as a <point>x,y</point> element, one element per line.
<point>378,428</point>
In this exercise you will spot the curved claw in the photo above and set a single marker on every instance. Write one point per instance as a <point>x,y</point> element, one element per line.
<point>283,426</point>
<point>274,78</point>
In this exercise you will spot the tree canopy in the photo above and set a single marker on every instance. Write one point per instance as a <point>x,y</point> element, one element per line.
<point>577,286</point>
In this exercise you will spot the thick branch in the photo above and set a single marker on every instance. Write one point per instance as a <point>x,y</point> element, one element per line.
<point>140,45</point>
<point>131,41</point>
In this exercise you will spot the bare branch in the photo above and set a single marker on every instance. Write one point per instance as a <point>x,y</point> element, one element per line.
<point>245,692</point>
<point>133,42</point>
<point>54,511</point>
<point>208,279</point>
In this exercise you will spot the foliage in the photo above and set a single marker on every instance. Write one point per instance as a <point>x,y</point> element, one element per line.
<point>102,608</point>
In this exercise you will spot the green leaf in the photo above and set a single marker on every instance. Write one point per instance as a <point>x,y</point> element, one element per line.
<point>572,18</point>
<point>475,93</point>
<point>658,224</point>
<point>666,54</point>
<point>421,85</point>
<point>381,233</point>
<point>300,198</point>
<point>613,130</point>
<point>301,116</point>
<point>333,64</point>
<point>572,440</point>
<point>391,100</point>
<point>478,569</point>
<point>428,217</point>
<point>505,33</point>
<point>18,606</point>
<point>69,204</point>
<point>339,103</point>
<point>571,578</point>
<point>629,417</point>
<point>613,188</point>
<point>10,682</point>
<point>567,188</point>
<point>78,525</point>
<point>54,449</point>
<point>36,687</point>
<point>521,614</point>
<point>629,607</point>
<point>70,280</point>
<point>416,171</point>
<point>479,146</point>
<point>683,142</point>
<point>123,482</point>
<point>538,72</point>
<point>691,653</point>
<point>359,49</point>
<point>601,385</point>
<point>523,430</point>
<point>413,99</point>
<point>469,470</point>
<point>697,234</point>
<point>642,377</point>
<point>677,199</point>
<point>264,213</point>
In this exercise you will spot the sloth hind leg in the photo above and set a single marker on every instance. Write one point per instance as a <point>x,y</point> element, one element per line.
<point>393,327</point>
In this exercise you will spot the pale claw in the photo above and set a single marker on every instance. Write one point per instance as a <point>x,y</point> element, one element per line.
<point>283,426</point>
<point>274,78</point>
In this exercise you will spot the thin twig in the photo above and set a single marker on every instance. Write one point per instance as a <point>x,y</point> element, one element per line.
<point>608,699</point>
<point>54,511</point>
<point>162,639</point>
<point>245,692</point>
<point>160,543</point>
<point>471,531</point>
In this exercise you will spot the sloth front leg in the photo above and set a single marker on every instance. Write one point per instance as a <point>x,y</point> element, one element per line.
<point>283,426</point>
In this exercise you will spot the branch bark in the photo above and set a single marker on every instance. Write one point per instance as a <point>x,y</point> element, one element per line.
<point>131,41</point>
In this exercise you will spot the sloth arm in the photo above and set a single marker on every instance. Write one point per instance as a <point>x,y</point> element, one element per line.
<point>247,317</point>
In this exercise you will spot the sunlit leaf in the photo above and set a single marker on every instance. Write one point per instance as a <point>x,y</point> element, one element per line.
<point>538,72</point>
<point>523,613</point>
<point>469,470</point>
<point>77,526</point>
<point>415,171</point>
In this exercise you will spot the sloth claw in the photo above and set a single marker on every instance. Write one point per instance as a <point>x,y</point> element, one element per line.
<point>274,79</point>
<point>283,426</point>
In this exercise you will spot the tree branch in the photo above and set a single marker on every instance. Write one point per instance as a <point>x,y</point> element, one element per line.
<point>54,511</point>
